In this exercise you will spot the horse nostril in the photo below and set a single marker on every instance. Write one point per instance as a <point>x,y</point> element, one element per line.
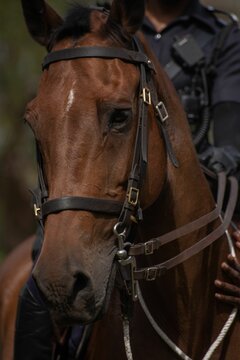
<point>81,282</point>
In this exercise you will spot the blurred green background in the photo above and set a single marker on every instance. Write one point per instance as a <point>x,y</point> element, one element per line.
<point>20,64</point>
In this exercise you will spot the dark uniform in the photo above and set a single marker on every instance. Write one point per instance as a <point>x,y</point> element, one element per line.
<point>211,83</point>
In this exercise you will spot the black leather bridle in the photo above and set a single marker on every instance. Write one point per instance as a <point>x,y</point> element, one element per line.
<point>130,210</point>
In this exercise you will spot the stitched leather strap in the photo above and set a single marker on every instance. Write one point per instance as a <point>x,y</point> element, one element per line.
<point>81,203</point>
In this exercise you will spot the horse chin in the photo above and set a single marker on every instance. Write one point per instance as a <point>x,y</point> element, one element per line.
<point>73,317</point>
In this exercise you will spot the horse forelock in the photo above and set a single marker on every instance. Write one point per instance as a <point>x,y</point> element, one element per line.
<point>81,20</point>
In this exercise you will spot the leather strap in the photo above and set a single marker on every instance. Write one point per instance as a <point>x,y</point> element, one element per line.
<point>154,244</point>
<point>81,203</point>
<point>41,182</point>
<point>152,273</point>
<point>163,125</point>
<point>140,155</point>
<point>131,56</point>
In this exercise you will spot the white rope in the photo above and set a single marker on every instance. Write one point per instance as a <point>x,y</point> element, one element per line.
<point>170,343</point>
<point>222,334</point>
<point>159,331</point>
<point>126,335</point>
<point>232,316</point>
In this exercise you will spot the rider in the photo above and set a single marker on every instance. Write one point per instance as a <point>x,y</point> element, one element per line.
<point>201,54</point>
<point>212,91</point>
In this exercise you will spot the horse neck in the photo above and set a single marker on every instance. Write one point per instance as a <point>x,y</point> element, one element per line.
<point>182,300</point>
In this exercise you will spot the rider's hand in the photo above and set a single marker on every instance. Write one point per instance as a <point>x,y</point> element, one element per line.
<point>236,237</point>
<point>230,292</point>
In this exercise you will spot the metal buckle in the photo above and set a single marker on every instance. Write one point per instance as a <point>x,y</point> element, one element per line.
<point>147,98</point>
<point>120,234</point>
<point>148,247</point>
<point>162,111</point>
<point>133,196</point>
<point>151,273</point>
<point>36,210</point>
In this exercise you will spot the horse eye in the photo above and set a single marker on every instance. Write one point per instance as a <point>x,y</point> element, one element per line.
<point>119,119</point>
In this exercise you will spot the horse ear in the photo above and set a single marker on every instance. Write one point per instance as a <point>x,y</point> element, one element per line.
<point>41,19</point>
<point>128,14</point>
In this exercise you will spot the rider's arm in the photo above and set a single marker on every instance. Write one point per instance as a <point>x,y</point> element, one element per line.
<point>225,93</point>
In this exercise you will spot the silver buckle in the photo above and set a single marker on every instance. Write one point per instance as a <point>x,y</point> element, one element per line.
<point>146,94</point>
<point>162,111</point>
<point>120,234</point>
<point>151,273</point>
<point>148,247</point>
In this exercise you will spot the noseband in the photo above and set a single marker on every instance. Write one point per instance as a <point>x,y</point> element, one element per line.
<point>130,210</point>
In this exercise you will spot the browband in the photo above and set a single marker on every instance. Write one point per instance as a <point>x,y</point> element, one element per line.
<point>134,57</point>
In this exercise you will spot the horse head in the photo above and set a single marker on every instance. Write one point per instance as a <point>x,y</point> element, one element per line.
<point>85,121</point>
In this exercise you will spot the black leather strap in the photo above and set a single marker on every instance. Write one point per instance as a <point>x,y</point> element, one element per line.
<point>133,57</point>
<point>81,203</point>
<point>131,209</point>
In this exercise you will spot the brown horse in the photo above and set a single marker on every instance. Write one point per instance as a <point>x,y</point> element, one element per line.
<point>86,118</point>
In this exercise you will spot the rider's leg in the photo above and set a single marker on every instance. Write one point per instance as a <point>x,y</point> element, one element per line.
<point>34,330</point>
